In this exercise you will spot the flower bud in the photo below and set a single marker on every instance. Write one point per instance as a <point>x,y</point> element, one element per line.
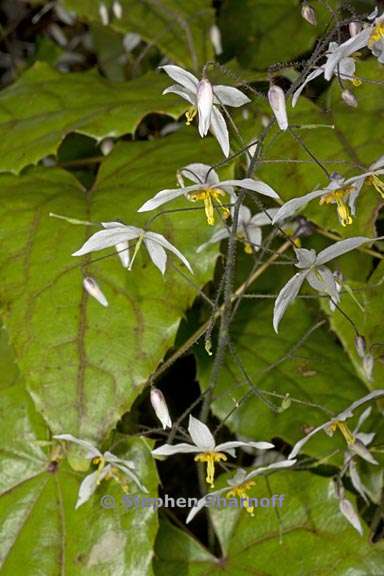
<point>93,289</point>
<point>308,13</point>
<point>117,9</point>
<point>160,407</point>
<point>106,146</point>
<point>349,513</point>
<point>360,345</point>
<point>349,98</point>
<point>204,105</point>
<point>103,13</point>
<point>215,37</point>
<point>354,28</point>
<point>276,99</point>
<point>368,363</point>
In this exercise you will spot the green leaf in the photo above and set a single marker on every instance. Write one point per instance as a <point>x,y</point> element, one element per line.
<point>308,530</point>
<point>86,364</point>
<point>310,367</point>
<point>180,29</point>
<point>41,108</point>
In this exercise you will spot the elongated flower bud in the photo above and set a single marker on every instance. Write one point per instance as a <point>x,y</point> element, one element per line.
<point>349,98</point>
<point>160,407</point>
<point>103,13</point>
<point>117,9</point>
<point>368,364</point>
<point>308,13</point>
<point>204,105</point>
<point>215,37</point>
<point>354,28</point>
<point>276,99</point>
<point>93,289</point>
<point>360,345</point>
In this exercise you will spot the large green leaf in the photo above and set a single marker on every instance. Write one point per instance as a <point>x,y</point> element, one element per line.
<point>180,29</point>
<point>39,110</point>
<point>86,364</point>
<point>41,533</point>
<point>315,371</point>
<point>307,536</point>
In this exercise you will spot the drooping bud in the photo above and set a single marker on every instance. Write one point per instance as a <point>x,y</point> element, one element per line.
<point>93,289</point>
<point>349,513</point>
<point>308,13</point>
<point>368,364</point>
<point>215,37</point>
<point>360,345</point>
<point>349,98</point>
<point>276,99</point>
<point>204,105</point>
<point>160,407</point>
<point>354,28</point>
<point>117,9</point>
<point>106,146</point>
<point>103,13</point>
<point>131,40</point>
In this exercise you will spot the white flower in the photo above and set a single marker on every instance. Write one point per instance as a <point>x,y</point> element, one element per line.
<point>344,68</point>
<point>248,229</point>
<point>119,235</point>
<point>318,276</point>
<point>238,486</point>
<point>198,94</point>
<point>340,191</point>
<point>354,442</point>
<point>117,9</point>
<point>108,466</point>
<point>103,13</point>
<point>215,37</point>
<point>160,407</point>
<point>205,447</point>
<point>276,99</point>
<point>208,188</point>
<point>93,289</point>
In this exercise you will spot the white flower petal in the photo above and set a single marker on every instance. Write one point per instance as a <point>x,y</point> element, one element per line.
<point>93,452</point>
<point>314,74</point>
<point>180,91</point>
<point>356,480</point>
<point>339,248</point>
<point>229,96</point>
<point>181,76</point>
<point>128,472</point>
<point>217,236</point>
<point>274,466</point>
<point>219,130</point>
<point>87,489</point>
<point>157,254</point>
<point>254,185</point>
<point>168,246</point>
<point>254,236</point>
<point>226,446</point>
<point>201,435</point>
<point>286,295</point>
<point>170,449</point>
<point>200,173</point>
<point>358,448</point>
<point>204,105</point>
<point>349,513</point>
<point>264,218</point>
<point>107,238</point>
<point>165,196</point>
<point>323,281</point>
<point>291,207</point>
<point>298,446</point>
<point>201,503</point>
<point>347,413</point>
<point>346,49</point>
<point>305,258</point>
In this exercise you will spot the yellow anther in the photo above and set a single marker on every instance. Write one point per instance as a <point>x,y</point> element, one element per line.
<point>377,184</point>
<point>356,81</point>
<point>338,197</point>
<point>342,426</point>
<point>377,34</point>
<point>210,458</point>
<point>190,114</point>
<point>208,196</point>
<point>241,492</point>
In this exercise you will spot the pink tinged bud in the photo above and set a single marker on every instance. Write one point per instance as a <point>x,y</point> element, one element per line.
<point>349,98</point>
<point>160,407</point>
<point>204,105</point>
<point>355,28</point>
<point>309,14</point>
<point>117,10</point>
<point>276,99</point>
<point>106,146</point>
<point>103,13</point>
<point>368,364</point>
<point>92,287</point>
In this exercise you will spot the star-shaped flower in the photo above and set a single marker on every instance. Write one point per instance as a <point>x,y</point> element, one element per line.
<point>207,188</point>
<point>318,276</point>
<point>205,448</point>
<point>119,235</point>
<point>238,486</point>
<point>108,466</point>
<point>205,99</point>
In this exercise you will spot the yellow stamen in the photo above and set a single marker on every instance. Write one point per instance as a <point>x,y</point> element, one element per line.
<point>248,248</point>
<point>356,81</point>
<point>342,426</point>
<point>377,34</point>
<point>377,184</point>
<point>210,458</point>
<point>338,197</point>
<point>208,195</point>
<point>100,463</point>
<point>241,492</point>
<point>190,114</point>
